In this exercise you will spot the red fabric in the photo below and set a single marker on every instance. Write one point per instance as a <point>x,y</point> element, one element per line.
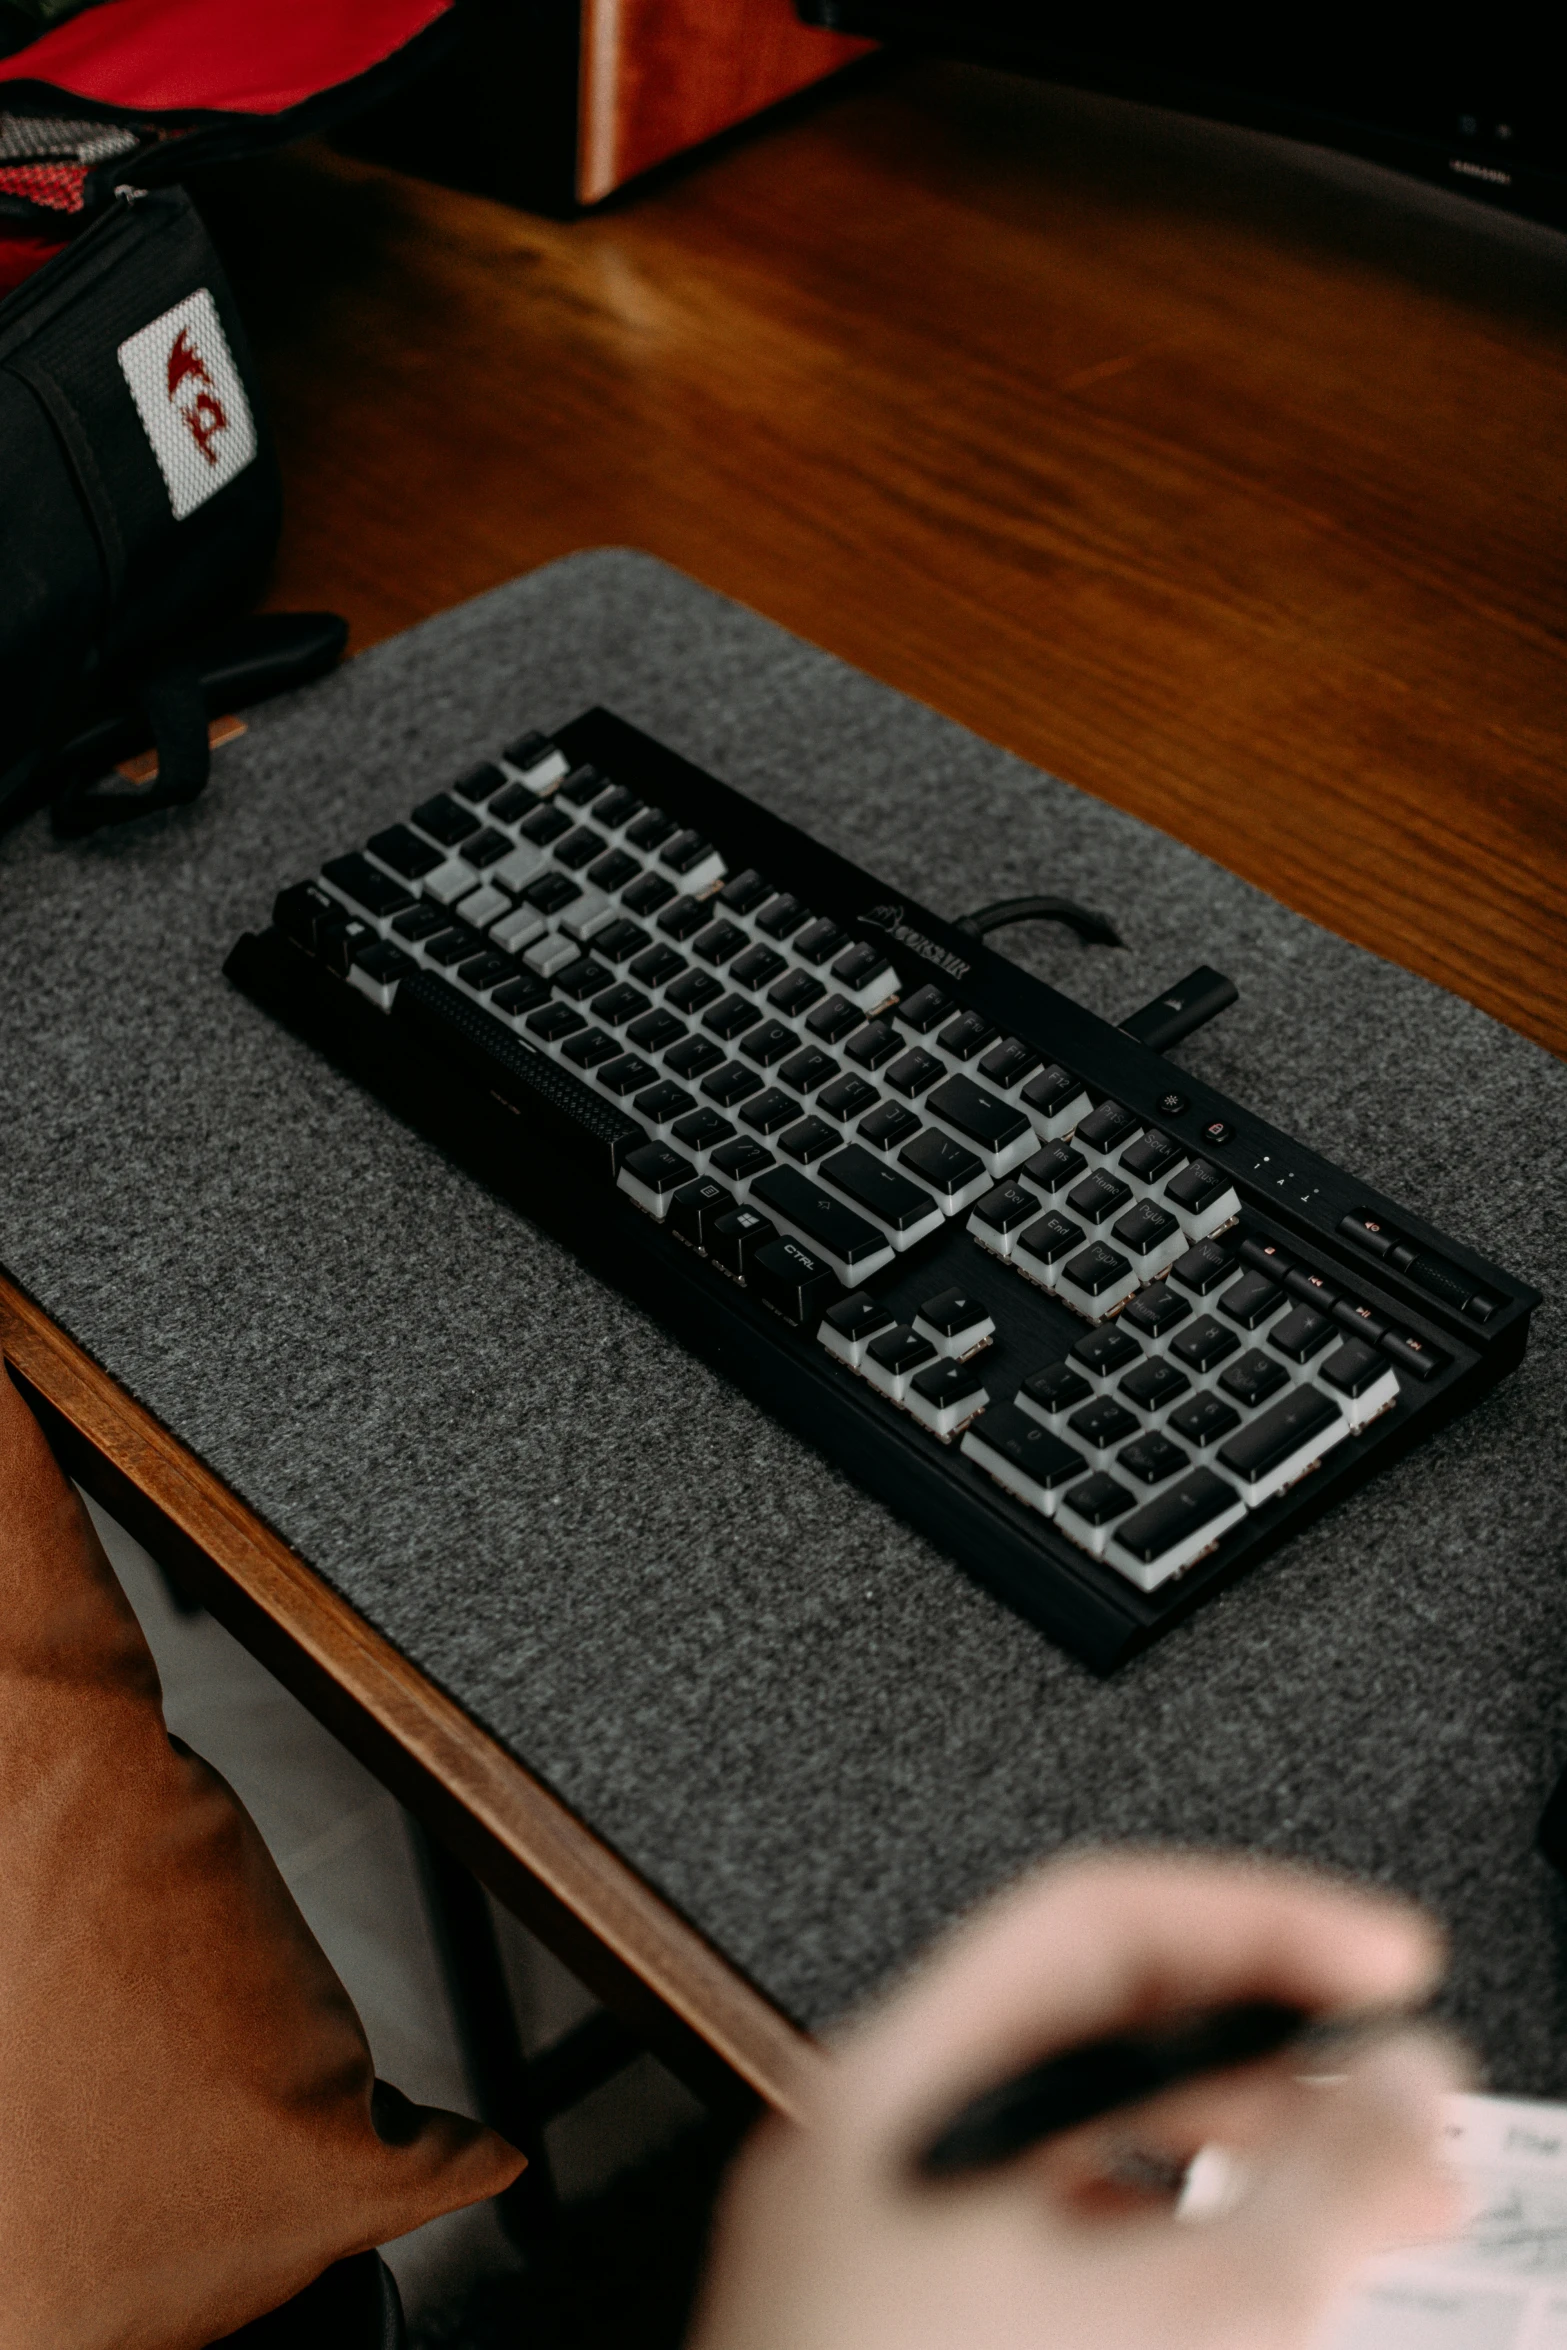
<point>21,253</point>
<point>58,186</point>
<point>148,56</point>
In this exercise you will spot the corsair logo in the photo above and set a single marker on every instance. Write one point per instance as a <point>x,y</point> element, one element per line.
<point>890,917</point>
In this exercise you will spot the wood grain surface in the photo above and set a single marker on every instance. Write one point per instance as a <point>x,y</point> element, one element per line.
<point>1228,488</point>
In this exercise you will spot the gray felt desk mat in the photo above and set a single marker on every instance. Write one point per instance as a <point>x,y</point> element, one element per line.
<point>790,1712</point>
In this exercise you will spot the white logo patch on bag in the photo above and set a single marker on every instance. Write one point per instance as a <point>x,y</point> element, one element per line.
<point>188,394</point>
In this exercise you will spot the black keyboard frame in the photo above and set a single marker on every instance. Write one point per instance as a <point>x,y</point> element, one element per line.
<point>469,1108</point>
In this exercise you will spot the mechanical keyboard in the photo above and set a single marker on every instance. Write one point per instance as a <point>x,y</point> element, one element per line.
<point>1104,1335</point>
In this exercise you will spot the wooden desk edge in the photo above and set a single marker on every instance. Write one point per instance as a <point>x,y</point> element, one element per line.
<point>627,1944</point>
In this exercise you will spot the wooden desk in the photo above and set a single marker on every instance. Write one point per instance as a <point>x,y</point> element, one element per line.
<point>1210,481</point>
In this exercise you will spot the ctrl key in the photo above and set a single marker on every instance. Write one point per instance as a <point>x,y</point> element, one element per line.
<point>793,1280</point>
<point>652,1174</point>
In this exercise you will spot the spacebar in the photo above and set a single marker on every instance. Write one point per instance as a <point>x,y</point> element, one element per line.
<point>827,1221</point>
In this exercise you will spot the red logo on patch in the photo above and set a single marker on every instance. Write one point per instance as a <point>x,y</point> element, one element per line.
<point>204,416</point>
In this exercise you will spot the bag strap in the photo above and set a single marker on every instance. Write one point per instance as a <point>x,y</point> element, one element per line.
<point>174,704</point>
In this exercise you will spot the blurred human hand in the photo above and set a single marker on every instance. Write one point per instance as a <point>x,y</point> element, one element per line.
<point>828,2239</point>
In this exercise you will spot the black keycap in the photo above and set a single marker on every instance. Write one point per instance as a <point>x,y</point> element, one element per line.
<point>1151,1459</point>
<point>520,995</point>
<point>913,1071</point>
<point>731,1016</point>
<point>485,849</point>
<point>1096,1270</point>
<point>619,1004</point>
<point>846,1097</point>
<point>367,885</point>
<point>526,750</point>
<point>1050,1170</point>
<point>768,1042</point>
<point>1104,1352</point>
<point>888,1125</point>
<point>966,1037</point>
<point>834,1018</point>
<point>737,1161</point>
<point>454,945</point>
<point>1348,1313</point>
<point>551,893</point>
<point>405,852</point>
<point>1106,1128</point>
<point>650,829</point>
<point>1009,1062</point>
<point>420,922</point>
<point>1205,1345</point>
<point>581,979</point>
<point>581,786</point>
<point>303,909</point>
<point>1052,1237</point>
<point>820,1217</point>
<point>860,1316</point>
<point>1291,1424</point>
<point>945,1384</point>
<point>1103,1422</point>
<point>619,940</point>
<point>731,1084</point>
<point>1196,1500</point>
<point>1203,1267</point>
<point>663,1102</point>
<point>1006,1209</point>
<point>942,1163</point>
<point>1196,1187</point>
<point>1030,1448</point>
<point>446,820</point>
<point>1099,1500</point>
<point>615,807</point>
<point>770,1112</point>
<point>694,992</point>
<point>877,1188</point>
<point>1153,1154</point>
<point>626,1074</point>
<point>1353,1368</point>
<point>860,965</point>
<point>758,967</point>
<point>807,1069</point>
<point>1143,1229</point>
<point>613,871</point>
<point>809,1140</point>
<point>658,1168</point>
<point>952,1311</point>
<point>1413,1354</point>
<point>782,918</point>
<point>643,898</point>
<point>1311,1289</point>
<point>479,784</point>
<point>697,1205</point>
<point>694,1057</point>
<point>1266,1256</point>
<point>1253,1377</point>
<point>383,962</point>
<point>819,942</point>
<point>795,993</point>
<point>512,802</point>
<point>1058,1388</point>
<point>554,1021</point>
<point>482,972</point>
<point>701,1130</point>
<point>1156,1310</point>
<point>1050,1092</point>
<point>1252,1300</point>
<point>743,892</point>
<point>793,1280</point>
<point>656,1031</point>
<point>901,1350</point>
<point>871,1045</point>
<point>591,1047</point>
<point>1153,1385</point>
<point>924,1010</point>
<point>544,825</point>
<point>1098,1197</point>
<point>717,941</point>
<point>982,1118</point>
<point>681,919</point>
<point>685,852</point>
<point>735,1237</point>
<point>1301,1333</point>
<point>1203,1419</point>
<point>657,966</point>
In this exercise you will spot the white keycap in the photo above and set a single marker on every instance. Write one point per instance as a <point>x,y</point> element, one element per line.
<point>551,954</point>
<point>593,911</point>
<point>518,929</point>
<point>482,905</point>
<point>543,776</point>
<point>514,872</point>
<point>449,882</point>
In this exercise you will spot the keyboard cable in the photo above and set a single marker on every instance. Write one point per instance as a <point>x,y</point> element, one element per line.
<point>1095,930</point>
